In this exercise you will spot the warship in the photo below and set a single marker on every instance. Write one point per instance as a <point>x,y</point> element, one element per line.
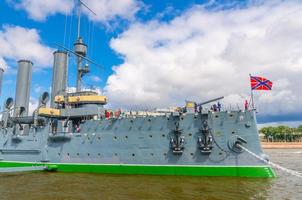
<point>76,132</point>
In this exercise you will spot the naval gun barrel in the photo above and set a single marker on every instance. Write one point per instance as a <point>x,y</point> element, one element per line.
<point>209,101</point>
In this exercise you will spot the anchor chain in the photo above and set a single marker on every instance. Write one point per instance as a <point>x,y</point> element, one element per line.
<point>289,171</point>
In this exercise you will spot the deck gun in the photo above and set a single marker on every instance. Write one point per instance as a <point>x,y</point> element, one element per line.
<point>209,101</point>
<point>191,105</point>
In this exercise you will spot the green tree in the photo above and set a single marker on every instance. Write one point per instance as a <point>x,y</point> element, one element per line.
<point>299,128</point>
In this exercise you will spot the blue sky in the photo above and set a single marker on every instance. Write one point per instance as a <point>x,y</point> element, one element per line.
<point>159,53</point>
<point>52,29</point>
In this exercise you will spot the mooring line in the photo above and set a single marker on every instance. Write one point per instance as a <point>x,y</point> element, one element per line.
<point>290,171</point>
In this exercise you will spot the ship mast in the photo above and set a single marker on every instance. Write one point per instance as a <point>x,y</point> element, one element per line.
<point>80,49</point>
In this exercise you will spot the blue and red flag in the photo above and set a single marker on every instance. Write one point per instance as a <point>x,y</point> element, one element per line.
<point>260,83</point>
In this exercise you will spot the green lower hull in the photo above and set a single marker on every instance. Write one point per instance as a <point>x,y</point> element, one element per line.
<point>194,170</point>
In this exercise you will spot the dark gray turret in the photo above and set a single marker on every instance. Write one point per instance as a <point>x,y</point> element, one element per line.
<point>59,76</point>
<point>23,87</point>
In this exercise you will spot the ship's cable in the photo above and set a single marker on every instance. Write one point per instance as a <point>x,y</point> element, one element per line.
<point>70,28</point>
<point>289,171</point>
<point>65,29</point>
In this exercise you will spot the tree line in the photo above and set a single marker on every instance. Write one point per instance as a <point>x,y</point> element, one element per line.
<point>282,134</point>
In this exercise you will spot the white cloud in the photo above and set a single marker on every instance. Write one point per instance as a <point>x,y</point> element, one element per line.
<point>106,10</point>
<point>38,89</point>
<point>205,54</point>
<point>21,43</point>
<point>40,9</point>
<point>33,105</point>
<point>95,78</point>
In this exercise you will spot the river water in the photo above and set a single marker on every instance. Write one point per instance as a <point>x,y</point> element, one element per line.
<point>76,186</point>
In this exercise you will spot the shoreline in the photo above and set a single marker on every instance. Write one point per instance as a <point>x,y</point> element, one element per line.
<point>281,145</point>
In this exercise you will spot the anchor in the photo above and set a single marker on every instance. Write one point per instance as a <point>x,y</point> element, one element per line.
<point>205,142</point>
<point>177,141</point>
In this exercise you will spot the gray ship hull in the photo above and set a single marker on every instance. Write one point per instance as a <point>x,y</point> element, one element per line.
<point>142,145</point>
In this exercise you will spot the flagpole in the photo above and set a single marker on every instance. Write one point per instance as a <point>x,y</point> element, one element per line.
<point>252,95</point>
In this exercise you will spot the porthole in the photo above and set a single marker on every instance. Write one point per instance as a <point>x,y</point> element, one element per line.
<point>168,118</point>
<point>231,115</point>
<point>115,154</point>
<point>191,154</point>
<point>163,135</point>
<point>220,153</point>
<point>78,154</point>
<point>216,116</point>
<point>59,154</point>
<point>165,154</point>
<point>152,154</point>
<point>149,120</point>
<point>133,154</point>
<point>68,154</point>
<point>99,138</point>
<point>150,136</point>
<point>99,154</point>
<point>182,118</point>
<point>190,134</point>
<point>88,154</point>
<point>126,137</point>
<point>115,137</point>
<point>233,132</point>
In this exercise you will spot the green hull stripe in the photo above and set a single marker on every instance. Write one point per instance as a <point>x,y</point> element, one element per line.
<point>241,171</point>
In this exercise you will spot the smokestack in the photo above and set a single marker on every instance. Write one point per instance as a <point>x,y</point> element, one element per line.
<point>59,75</point>
<point>23,88</point>
<point>1,76</point>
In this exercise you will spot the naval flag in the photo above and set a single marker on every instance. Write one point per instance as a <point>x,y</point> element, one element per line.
<point>260,83</point>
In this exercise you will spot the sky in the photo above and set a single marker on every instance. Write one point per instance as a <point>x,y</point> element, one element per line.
<point>157,53</point>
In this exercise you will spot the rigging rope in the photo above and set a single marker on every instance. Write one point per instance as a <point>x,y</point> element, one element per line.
<point>65,27</point>
<point>90,42</point>
<point>70,28</point>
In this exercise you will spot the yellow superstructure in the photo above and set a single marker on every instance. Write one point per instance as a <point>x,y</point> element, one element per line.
<point>49,112</point>
<point>87,99</point>
<point>59,99</point>
<point>190,104</point>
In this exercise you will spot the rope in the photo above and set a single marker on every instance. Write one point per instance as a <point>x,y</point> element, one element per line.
<point>65,27</point>
<point>91,40</point>
<point>70,28</point>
